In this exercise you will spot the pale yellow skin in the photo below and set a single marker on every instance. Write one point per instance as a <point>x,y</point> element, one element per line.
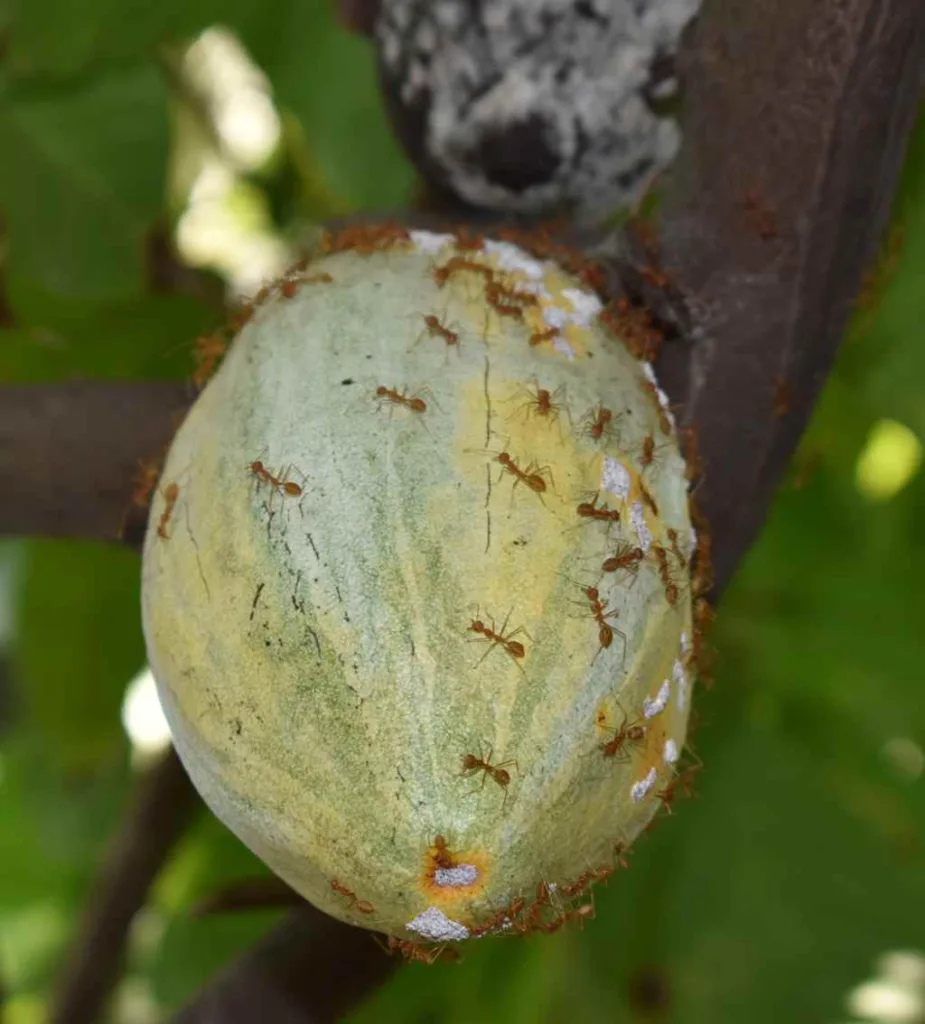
<point>314,652</point>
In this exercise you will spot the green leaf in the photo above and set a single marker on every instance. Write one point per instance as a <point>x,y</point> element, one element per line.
<point>82,181</point>
<point>150,337</point>
<point>78,642</point>
<point>194,949</point>
<point>327,77</point>
<point>53,826</point>
<point>61,38</point>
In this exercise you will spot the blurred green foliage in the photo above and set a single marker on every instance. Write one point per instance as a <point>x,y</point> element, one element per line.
<point>767,899</point>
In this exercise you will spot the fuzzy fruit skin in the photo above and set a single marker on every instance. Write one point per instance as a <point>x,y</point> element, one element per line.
<point>314,653</point>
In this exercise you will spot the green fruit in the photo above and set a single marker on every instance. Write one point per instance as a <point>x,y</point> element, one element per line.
<point>339,657</point>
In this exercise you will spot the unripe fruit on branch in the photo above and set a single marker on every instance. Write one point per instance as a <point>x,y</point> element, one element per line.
<point>416,588</point>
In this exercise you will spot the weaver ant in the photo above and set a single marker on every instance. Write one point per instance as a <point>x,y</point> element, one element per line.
<point>498,638</point>
<point>598,423</point>
<point>601,614</point>
<point>392,395</point>
<point>540,402</point>
<point>280,486</point>
<point>472,765</point>
<point>625,558</point>
<point>629,733</point>
<point>363,906</point>
<point>171,494</point>
<point>533,475</point>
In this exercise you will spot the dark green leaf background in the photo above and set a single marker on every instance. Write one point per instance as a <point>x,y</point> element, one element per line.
<point>767,899</point>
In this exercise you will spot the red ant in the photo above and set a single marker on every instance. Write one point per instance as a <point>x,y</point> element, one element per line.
<point>781,398</point>
<point>443,858</point>
<point>495,293</point>
<point>626,558</point>
<point>289,288</point>
<point>471,765</point>
<point>681,784</point>
<point>145,480</point>
<point>598,422</point>
<point>541,402</point>
<point>498,639</point>
<point>538,337</point>
<point>532,476</point>
<point>591,510</point>
<point>244,314</point>
<point>650,452</point>
<point>760,214</point>
<point>264,476</point>
<point>469,243</point>
<point>664,421</point>
<point>633,326</point>
<point>437,329</point>
<point>414,403</point>
<point>365,238</point>
<point>672,590</point>
<point>692,456</point>
<point>171,494</point>
<point>675,547</point>
<point>503,308</point>
<point>363,906</point>
<point>209,349</point>
<point>629,733</point>
<point>459,263</point>
<point>619,855</point>
<point>414,951</point>
<point>600,613</point>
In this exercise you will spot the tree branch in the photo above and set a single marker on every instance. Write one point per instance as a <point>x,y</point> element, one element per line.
<point>69,454</point>
<point>162,810</point>
<point>796,121</point>
<point>310,970</point>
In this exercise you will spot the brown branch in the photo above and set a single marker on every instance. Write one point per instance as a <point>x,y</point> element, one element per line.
<point>163,807</point>
<point>69,453</point>
<point>359,15</point>
<point>309,970</point>
<point>796,120</point>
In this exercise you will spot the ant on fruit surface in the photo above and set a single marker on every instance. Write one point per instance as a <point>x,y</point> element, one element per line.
<point>276,482</point>
<point>436,328</point>
<point>533,475</point>
<point>538,337</point>
<point>597,424</point>
<point>458,264</point>
<point>628,734</point>
<point>498,638</point>
<point>599,513</point>
<point>539,402</point>
<point>472,765</point>
<point>363,906</point>
<point>626,558</point>
<point>171,493</point>
<point>600,613</point>
<point>413,951</point>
